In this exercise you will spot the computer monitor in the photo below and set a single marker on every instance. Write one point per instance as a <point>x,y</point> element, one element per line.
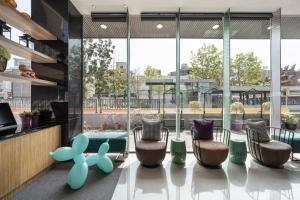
<point>6,116</point>
<point>60,110</point>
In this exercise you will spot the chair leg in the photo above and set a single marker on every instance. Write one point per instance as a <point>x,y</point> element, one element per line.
<point>294,158</point>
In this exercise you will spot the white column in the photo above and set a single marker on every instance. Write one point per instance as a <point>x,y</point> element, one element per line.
<point>275,70</point>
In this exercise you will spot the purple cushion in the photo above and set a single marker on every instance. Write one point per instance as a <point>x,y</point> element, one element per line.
<point>203,130</point>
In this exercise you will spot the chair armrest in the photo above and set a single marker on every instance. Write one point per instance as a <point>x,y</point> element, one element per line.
<point>137,133</point>
<point>283,135</point>
<point>165,135</point>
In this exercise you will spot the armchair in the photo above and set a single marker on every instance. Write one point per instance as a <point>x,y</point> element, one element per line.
<point>274,153</point>
<point>150,153</point>
<point>212,153</point>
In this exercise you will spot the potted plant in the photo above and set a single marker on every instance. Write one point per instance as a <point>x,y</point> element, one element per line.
<point>25,119</point>
<point>195,105</point>
<point>35,118</point>
<point>236,108</point>
<point>290,121</point>
<point>4,57</point>
<point>266,106</point>
<point>116,124</point>
<point>103,125</point>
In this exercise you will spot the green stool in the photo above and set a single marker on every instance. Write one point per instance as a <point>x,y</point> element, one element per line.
<point>238,151</point>
<point>178,151</point>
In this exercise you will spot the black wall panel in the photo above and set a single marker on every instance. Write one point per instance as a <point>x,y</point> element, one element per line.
<point>62,19</point>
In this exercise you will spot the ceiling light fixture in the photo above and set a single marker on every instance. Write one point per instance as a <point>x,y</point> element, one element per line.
<point>159,26</point>
<point>216,26</point>
<point>269,28</point>
<point>103,26</point>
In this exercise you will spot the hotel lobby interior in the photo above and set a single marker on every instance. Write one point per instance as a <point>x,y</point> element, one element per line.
<point>141,100</point>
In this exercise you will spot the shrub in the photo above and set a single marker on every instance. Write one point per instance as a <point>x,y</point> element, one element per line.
<point>195,104</point>
<point>290,118</point>
<point>266,106</point>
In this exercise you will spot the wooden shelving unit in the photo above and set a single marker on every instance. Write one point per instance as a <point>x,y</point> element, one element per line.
<point>23,23</point>
<point>18,78</point>
<point>25,52</point>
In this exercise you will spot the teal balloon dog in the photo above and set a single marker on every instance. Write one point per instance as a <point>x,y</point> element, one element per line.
<point>78,173</point>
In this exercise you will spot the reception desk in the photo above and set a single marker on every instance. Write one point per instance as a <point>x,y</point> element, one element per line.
<point>24,154</point>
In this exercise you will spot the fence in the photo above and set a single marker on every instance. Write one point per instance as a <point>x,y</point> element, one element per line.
<point>95,105</point>
<point>18,104</point>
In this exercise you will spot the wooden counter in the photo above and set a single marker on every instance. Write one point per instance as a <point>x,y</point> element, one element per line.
<point>23,157</point>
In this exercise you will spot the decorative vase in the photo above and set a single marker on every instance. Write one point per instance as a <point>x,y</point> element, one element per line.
<point>291,126</point>
<point>237,125</point>
<point>25,122</point>
<point>35,121</point>
<point>117,126</point>
<point>3,64</point>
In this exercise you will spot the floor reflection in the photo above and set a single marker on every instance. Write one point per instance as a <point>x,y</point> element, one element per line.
<point>150,182</point>
<point>192,181</point>
<point>209,183</point>
<point>263,183</point>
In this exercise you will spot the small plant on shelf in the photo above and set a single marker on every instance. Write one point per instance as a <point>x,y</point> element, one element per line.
<point>35,118</point>
<point>4,57</point>
<point>25,119</point>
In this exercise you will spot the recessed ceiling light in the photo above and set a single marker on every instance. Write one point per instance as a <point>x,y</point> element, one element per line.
<point>159,26</point>
<point>216,26</point>
<point>103,26</point>
<point>269,28</point>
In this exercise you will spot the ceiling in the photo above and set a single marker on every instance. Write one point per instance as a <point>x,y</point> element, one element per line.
<point>289,7</point>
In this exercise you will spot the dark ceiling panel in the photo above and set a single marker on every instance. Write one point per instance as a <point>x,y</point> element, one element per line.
<point>290,27</point>
<point>193,28</point>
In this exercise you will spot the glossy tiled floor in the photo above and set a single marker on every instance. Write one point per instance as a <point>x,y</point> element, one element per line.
<point>193,181</point>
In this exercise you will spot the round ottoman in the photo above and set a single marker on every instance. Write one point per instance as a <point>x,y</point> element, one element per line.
<point>238,151</point>
<point>178,151</point>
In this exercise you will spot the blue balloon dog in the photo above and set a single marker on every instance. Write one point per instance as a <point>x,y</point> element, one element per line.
<point>78,173</point>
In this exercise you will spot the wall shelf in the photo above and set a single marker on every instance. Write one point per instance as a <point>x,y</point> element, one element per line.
<point>25,52</point>
<point>16,19</point>
<point>17,78</point>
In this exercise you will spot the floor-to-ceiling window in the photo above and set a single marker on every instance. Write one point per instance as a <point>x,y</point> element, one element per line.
<point>290,71</point>
<point>105,73</point>
<point>153,69</point>
<point>250,69</point>
<point>201,71</point>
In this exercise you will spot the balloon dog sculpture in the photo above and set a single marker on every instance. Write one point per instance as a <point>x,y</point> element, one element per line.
<point>78,173</point>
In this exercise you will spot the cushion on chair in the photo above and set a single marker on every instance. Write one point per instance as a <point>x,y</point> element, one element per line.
<point>212,153</point>
<point>203,129</point>
<point>151,129</point>
<point>275,153</point>
<point>150,145</point>
<point>260,131</point>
